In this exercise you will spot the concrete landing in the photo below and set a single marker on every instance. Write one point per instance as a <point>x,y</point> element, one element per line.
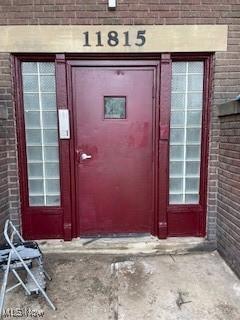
<point>116,287</point>
<point>129,245</point>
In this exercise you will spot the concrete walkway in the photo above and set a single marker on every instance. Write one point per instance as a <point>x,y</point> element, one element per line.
<point>137,287</point>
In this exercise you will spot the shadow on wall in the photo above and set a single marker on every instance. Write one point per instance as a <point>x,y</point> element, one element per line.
<point>228,202</point>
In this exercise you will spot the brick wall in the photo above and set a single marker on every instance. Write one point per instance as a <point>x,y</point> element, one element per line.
<point>226,70</point>
<point>9,197</point>
<point>4,193</point>
<point>128,12</point>
<point>228,218</point>
<point>3,171</point>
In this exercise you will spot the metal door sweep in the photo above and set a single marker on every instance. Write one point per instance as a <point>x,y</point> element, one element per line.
<point>22,255</point>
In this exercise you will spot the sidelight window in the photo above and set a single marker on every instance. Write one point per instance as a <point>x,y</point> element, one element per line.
<point>39,96</point>
<point>185,132</point>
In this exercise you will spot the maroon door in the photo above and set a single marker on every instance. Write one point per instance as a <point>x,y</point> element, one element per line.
<point>113,128</point>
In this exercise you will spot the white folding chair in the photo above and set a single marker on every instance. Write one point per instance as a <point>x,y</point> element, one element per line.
<point>18,254</point>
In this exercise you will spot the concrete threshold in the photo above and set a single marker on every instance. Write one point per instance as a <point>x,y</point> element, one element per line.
<point>128,245</point>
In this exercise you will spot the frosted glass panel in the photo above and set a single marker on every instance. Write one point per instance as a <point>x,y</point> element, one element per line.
<point>185,132</point>
<point>176,198</point>
<point>49,120</point>
<point>177,118</point>
<point>194,118</point>
<point>52,186</point>
<point>178,83</point>
<point>195,82</point>
<point>177,136</point>
<point>35,170</point>
<point>50,137</point>
<point>47,83</point>
<point>193,152</point>
<point>194,100</point>
<point>192,168</point>
<point>179,67</point>
<point>33,136</point>
<point>48,101</point>
<point>41,133</point>
<point>193,135</point>
<point>52,170</point>
<point>176,185</point>
<point>176,168</point>
<point>53,200</point>
<point>177,152</point>
<point>51,154</point>
<point>30,83</point>
<point>32,119</point>
<point>178,101</point>
<point>36,201</point>
<point>192,185</point>
<point>46,68</point>
<point>35,186</point>
<point>195,67</point>
<point>29,67</point>
<point>34,153</point>
<point>192,198</point>
<point>31,101</point>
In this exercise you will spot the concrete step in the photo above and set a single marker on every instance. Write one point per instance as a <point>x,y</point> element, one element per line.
<point>129,245</point>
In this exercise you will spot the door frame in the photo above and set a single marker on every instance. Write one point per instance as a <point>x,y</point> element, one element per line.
<point>63,219</point>
<point>153,65</point>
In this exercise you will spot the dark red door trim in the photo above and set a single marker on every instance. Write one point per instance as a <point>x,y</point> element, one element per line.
<point>37,222</point>
<point>60,222</point>
<point>64,159</point>
<point>117,223</point>
<point>190,220</point>
<point>164,120</point>
<point>143,64</point>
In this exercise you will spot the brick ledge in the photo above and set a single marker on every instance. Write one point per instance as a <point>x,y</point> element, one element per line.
<point>229,108</point>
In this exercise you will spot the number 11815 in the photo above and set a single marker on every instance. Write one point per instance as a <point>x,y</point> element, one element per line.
<point>113,39</point>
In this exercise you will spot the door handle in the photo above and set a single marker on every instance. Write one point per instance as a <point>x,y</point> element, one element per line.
<point>85,156</point>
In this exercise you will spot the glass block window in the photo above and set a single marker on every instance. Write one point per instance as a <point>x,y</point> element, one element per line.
<point>39,96</point>
<point>185,132</point>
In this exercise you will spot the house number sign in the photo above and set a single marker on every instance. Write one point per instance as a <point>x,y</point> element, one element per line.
<point>112,39</point>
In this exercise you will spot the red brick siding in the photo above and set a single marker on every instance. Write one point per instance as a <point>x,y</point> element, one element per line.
<point>226,70</point>
<point>9,193</point>
<point>4,95</point>
<point>228,220</point>
<point>128,12</point>
<point>4,206</point>
<point>226,86</point>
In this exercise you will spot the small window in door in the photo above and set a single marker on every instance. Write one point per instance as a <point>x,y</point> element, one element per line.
<point>114,107</point>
